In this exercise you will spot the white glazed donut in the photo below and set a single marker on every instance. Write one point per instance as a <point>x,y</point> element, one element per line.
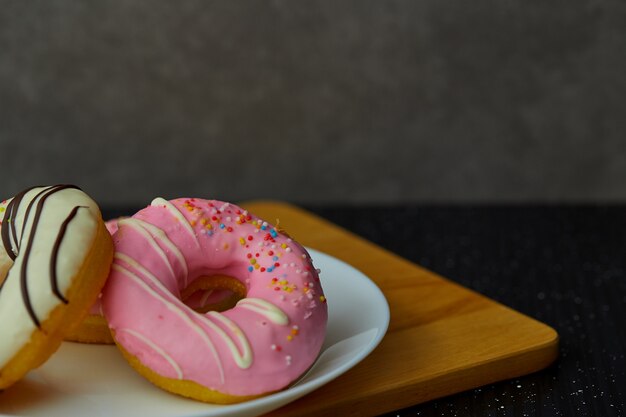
<point>54,259</point>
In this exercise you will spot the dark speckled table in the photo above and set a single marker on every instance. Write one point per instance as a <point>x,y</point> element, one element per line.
<point>563,265</point>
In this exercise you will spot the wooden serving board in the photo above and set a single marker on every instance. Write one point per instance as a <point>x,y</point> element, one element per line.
<point>442,338</point>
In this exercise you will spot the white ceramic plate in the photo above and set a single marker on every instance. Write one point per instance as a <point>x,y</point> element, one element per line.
<point>81,380</point>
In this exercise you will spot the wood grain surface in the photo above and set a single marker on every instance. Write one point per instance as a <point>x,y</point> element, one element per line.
<point>442,338</point>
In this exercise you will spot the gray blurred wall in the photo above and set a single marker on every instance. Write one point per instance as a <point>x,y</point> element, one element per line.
<point>316,101</point>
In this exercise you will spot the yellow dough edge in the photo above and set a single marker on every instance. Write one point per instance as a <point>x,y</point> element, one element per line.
<point>94,329</point>
<point>86,286</point>
<point>183,387</point>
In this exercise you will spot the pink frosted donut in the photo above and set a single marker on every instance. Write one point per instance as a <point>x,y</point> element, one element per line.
<point>260,345</point>
<point>94,328</point>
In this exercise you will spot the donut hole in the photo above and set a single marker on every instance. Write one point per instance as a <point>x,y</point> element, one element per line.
<point>213,293</point>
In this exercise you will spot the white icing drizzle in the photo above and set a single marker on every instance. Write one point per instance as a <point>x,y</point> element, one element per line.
<point>244,359</point>
<point>205,297</point>
<point>157,349</point>
<point>172,306</point>
<point>177,214</point>
<point>150,239</point>
<point>266,309</point>
<point>160,233</point>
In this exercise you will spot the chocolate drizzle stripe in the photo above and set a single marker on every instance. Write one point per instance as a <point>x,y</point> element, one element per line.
<point>8,224</point>
<point>27,215</point>
<point>55,254</point>
<point>14,209</point>
<point>26,255</point>
<point>5,232</point>
<point>56,188</point>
